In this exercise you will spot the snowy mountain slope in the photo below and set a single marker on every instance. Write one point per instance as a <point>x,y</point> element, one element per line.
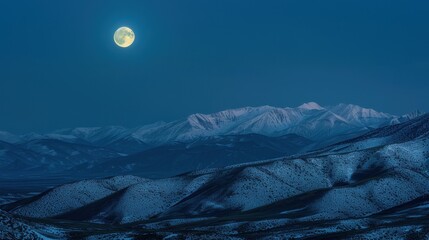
<point>360,116</point>
<point>406,221</point>
<point>139,201</point>
<point>71,196</point>
<point>321,186</point>
<point>241,189</point>
<point>415,128</point>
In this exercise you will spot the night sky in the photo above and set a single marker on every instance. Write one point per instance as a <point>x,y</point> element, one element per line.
<point>60,67</point>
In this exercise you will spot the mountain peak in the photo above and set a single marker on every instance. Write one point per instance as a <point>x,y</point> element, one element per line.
<point>311,106</point>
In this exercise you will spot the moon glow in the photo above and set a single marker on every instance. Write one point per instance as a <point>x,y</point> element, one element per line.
<point>124,37</point>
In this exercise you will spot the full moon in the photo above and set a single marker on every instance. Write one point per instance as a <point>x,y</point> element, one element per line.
<point>124,37</point>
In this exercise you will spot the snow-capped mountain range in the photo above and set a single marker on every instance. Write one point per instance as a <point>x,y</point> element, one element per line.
<point>373,186</point>
<point>198,142</point>
<point>309,120</point>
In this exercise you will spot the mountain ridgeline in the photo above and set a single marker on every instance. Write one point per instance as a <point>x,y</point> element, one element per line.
<point>198,142</point>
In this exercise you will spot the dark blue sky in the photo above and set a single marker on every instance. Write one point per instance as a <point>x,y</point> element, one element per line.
<point>60,67</point>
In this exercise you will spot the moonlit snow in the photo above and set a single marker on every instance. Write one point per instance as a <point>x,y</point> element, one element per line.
<point>366,184</point>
